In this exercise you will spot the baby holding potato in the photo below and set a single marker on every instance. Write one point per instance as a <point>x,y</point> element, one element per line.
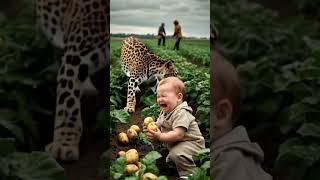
<point>178,128</point>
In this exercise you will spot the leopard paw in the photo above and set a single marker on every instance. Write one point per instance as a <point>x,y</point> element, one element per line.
<point>129,109</point>
<point>66,152</point>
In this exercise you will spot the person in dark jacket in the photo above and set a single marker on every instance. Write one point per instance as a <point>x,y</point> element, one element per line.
<point>161,35</point>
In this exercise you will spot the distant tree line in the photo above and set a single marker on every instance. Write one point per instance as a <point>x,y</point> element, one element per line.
<point>147,36</point>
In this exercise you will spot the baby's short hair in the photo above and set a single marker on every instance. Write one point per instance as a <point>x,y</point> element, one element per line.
<point>177,84</point>
<point>225,83</point>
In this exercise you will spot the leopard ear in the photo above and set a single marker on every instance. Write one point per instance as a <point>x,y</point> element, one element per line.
<point>169,63</point>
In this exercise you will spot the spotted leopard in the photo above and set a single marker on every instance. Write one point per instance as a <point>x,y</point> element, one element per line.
<point>140,65</point>
<point>80,28</point>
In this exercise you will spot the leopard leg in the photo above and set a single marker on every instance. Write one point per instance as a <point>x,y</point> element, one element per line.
<point>68,124</point>
<point>131,96</point>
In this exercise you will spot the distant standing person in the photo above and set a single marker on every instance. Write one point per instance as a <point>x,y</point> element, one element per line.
<point>177,34</point>
<point>162,35</point>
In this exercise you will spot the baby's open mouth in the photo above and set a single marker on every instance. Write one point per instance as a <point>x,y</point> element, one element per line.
<point>163,105</point>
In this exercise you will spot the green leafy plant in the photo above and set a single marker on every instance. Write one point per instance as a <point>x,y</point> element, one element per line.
<point>27,166</point>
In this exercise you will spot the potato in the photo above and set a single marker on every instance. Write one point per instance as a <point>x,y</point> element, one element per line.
<point>132,156</point>
<point>123,138</point>
<point>147,120</point>
<point>139,165</point>
<point>131,168</point>
<point>121,154</point>
<point>152,126</point>
<point>132,134</point>
<point>136,128</point>
<point>149,175</point>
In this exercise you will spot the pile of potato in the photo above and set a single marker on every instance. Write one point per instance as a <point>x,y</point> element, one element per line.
<point>133,164</point>
<point>132,133</point>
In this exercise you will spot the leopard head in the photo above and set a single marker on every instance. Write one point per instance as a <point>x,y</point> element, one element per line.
<point>169,69</point>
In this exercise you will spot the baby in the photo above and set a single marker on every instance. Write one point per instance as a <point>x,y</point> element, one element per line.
<point>178,128</point>
<point>233,156</point>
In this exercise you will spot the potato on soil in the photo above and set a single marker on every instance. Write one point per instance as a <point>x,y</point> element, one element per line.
<point>131,168</point>
<point>147,120</point>
<point>132,156</point>
<point>132,134</point>
<point>139,165</point>
<point>149,175</point>
<point>121,154</point>
<point>123,138</point>
<point>152,126</point>
<point>136,128</point>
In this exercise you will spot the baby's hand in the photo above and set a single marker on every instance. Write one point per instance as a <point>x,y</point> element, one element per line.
<point>153,135</point>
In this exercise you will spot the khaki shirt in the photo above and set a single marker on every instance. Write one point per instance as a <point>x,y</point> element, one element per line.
<point>181,117</point>
<point>233,156</point>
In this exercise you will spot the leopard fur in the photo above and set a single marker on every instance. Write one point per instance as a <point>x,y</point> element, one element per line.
<point>80,28</point>
<point>140,64</point>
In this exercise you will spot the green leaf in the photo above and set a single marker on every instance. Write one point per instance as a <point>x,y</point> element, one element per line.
<point>120,116</point>
<point>310,129</point>
<point>206,165</point>
<point>34,166</point>
<point>162,178</point>
<point>296,155</point>
<point>10,124</point>
<point>151,157</point>
<point>118,169</point>
<point>7,146</point>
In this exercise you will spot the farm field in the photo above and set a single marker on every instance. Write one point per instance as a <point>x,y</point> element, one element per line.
<point>192,63</point>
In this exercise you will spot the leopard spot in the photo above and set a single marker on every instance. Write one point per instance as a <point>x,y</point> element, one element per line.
<point>70,125</point>
<point>75,61</point>
<point>53,30</point>
<point>56,13</point>
<point>88,8</point>
<point>75,112</point>
<point>60,113</point>
<point>70,102</point>
<point>70,84</point>
<point>68,59</point>
<point>63,96</point>
<point>95,5</point>
<point>85,32</point>
<point>78,40</point>
<point>73,119</point>
<point>45,16</point>
<point>94,58</point>
<point>54,21</point>
<point>70,72</point>
<point>83,72</point>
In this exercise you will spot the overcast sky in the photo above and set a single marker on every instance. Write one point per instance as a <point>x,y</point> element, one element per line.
<point>145,16</point>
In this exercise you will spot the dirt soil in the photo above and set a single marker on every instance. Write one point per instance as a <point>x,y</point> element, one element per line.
<point>86,168</point>
<point>115,146</point>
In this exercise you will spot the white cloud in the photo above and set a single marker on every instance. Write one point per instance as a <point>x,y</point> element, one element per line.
<point>145,16</point>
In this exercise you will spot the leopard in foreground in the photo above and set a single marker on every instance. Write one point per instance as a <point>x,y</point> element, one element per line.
<point>140,65</point>
<point>80,28</point>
